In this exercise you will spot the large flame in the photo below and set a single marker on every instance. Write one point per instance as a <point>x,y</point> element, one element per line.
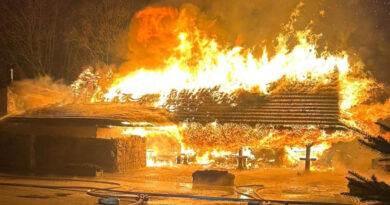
<point>198,61</point>
<point>176,52</point>
<point>194,60</point>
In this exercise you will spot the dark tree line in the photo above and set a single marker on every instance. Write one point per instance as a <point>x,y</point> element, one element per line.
<point>58,37</point>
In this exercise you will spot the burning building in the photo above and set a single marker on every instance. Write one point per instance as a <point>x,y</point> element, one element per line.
<point>185,93</point>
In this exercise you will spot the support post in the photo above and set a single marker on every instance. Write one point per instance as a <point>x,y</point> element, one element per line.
<point>240,160</point>
<point>307,159</point>
<point>32,152</point>
<point>4,83</point>
<point>3,101</point>
<point>178,159</point>
<point>185,159</point>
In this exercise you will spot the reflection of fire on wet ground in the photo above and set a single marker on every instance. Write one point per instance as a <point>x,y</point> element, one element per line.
<point>279,183</point>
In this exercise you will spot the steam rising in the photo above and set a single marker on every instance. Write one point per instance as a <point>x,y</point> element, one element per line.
<point>31,94</point>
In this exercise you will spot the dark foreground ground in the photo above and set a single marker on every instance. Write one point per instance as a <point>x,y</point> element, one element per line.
<point>280,184</point>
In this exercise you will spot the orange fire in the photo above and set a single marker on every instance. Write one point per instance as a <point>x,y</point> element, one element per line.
<point>198,61</point>
<point>174,51</point>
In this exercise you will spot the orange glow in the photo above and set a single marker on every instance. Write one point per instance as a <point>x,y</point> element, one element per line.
<point>188,58</point>
<point>295,154</point>
<point>198,61</point>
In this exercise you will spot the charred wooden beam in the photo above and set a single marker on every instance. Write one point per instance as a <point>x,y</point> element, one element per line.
<point>383,126</point>
<point>76,121</point>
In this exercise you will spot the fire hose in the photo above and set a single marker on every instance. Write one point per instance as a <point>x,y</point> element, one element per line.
<point>142,197</point>
<point>257,187</point>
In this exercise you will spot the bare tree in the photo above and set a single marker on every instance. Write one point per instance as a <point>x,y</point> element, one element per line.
<point>58,37</point>
<point>103,29</point>
<point>28,34</point>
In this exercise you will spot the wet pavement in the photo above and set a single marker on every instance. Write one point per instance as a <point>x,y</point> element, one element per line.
<point>279,184</point>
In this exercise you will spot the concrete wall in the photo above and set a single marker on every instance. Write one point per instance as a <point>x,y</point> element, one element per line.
<point>51,154</point>
<point>15,153</point>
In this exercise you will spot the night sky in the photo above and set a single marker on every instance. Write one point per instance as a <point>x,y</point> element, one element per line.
<point>380,11</point>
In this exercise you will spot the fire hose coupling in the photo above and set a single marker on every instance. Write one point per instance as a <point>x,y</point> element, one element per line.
<point>142,197</point>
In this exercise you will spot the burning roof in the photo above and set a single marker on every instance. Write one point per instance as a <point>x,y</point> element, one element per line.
<point>282,110</point>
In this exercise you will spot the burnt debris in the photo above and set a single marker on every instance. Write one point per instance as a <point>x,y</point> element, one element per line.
<point>213,177</point>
